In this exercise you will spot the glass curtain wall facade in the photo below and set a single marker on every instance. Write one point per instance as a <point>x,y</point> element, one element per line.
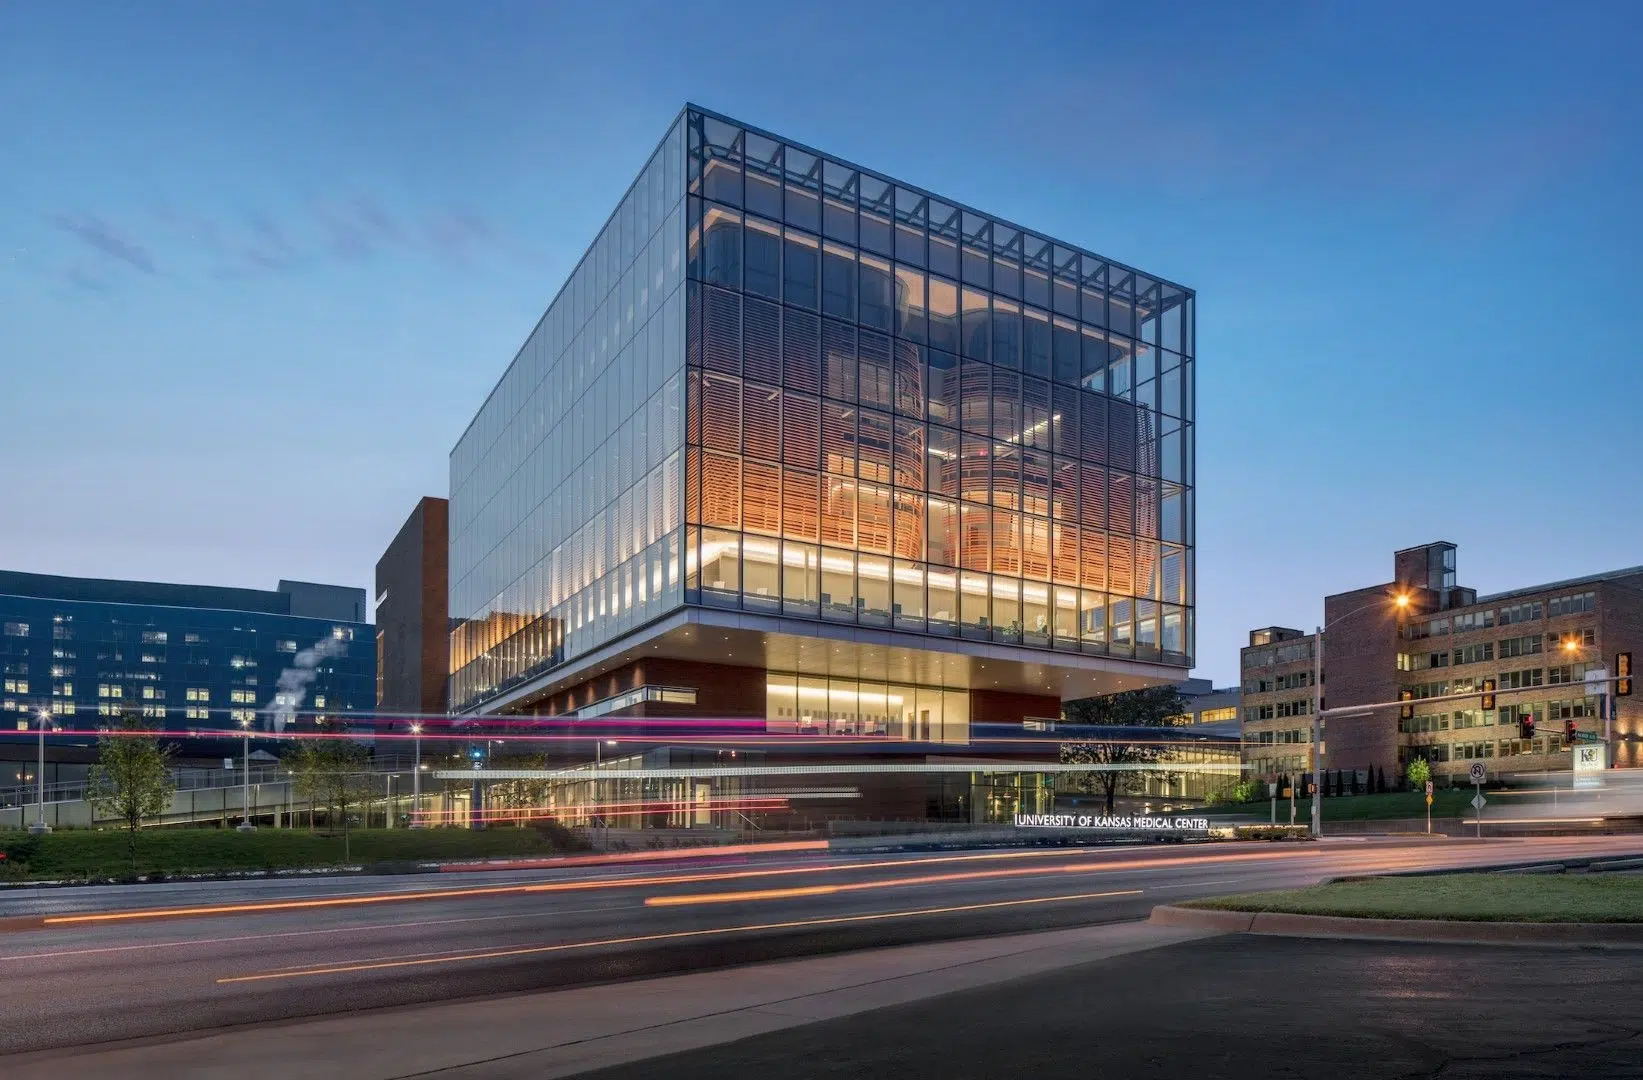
<point>782,384</point>
<point>567,488</point>
<point>909,415</point>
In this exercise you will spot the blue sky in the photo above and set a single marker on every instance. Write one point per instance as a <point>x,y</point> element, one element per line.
<point>261,262</point>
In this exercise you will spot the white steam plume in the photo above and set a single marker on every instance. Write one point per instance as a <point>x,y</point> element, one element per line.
<point>292,689</point>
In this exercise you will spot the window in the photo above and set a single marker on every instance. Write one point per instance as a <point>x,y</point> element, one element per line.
<point>17,686</point>
<point>17,629</point>
<point>1295,708</point>
<point>1294,681</point>
<point>319,701</point>
<point>1533,611</point>
<point>282,645</point>
<point>1475,654</point>
<point>1476,620</point>
<point>1517,680</point>
<point>1571,709</point>
<point>1571,605</point>
<point>342,633</point>
<point>1430,628</point>
<point>110,690</point>
<point>154,712</point>
<point>197,712</point>
<point>63,690</point>
<point>62,708</point>
<point>246,697</point>
<point>197,693</point>
<point>153,637</point>
<point>1567,673</point>
<point>1528,645</point>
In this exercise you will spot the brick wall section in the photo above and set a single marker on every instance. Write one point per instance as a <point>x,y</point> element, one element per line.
<point>1620,629</point>
<point>413,618</point>
<point>997,707</point>
<point>1360,665</point>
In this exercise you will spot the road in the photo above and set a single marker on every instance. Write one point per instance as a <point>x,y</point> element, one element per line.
<point>1232,1007</point>
<point>305,948</point>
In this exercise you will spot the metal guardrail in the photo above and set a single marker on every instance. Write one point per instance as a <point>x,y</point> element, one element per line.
<point>184,780</point>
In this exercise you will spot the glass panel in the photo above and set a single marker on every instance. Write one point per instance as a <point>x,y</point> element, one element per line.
<point>877,211</point>
<point>764,176</point>
<point>838,585</point>
<point>878,303</point>
<point>763,258</point>
<point>721,568</point>
<point>943,601</point>
<point>908,603</point>
<point>839,202</point>
<point>761,583</point>
<point>812,696</point>
<point>873,590</point>
<point>781,703</point>
<point>1007,610</point>
<point>910,304</point>
<point>1035,613</point>
<point>838,284</point>
<point>975,606</point>
<point>803,190</point>
<point>801,579</point>
<point>799,270</point>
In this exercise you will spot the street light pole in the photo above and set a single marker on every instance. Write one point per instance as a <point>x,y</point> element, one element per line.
<point>416,776</point>
<point>40,826</point>
<point>1317,731</point>
<point>245,788</point>
<point>1400,601</point>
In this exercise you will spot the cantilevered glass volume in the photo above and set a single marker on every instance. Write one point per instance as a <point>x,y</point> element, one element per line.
<point>794,416</point>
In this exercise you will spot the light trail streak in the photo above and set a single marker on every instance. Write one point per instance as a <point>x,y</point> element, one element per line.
<point>692,899</point>
<point>63,954</point>
<point>675,935</point>
<point>590,884</point>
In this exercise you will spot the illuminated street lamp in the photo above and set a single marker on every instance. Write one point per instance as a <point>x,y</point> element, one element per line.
<point>416,775</point>
<point>1401,602</point>
<point>245,790</point>
<point>41,720</point>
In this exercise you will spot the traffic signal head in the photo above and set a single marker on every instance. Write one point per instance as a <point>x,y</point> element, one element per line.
<point>1488,694</point>
<point>1406,711</point>
<point>1569,730</point>
<point>1623,674</point>
<point>1526,727</point>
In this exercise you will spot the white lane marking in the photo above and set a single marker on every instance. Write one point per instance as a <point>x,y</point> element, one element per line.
<point>298,933</point>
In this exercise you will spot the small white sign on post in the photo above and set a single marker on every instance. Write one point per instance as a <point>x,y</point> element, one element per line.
<point>1591,759</point>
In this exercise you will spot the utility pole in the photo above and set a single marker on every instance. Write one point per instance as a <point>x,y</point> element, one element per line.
<point>40,723</point>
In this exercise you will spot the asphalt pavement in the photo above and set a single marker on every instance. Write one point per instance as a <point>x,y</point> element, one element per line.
<point>309,949</point>
<point>1234,1006</point>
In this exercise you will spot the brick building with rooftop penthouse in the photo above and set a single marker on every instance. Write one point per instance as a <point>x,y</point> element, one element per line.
<point>1535,644</point>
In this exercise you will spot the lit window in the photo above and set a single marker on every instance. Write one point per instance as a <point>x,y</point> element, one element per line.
<point>17,686</point>
<point>243,716</point>
<point>195,712</point>
<point>17,629</point>
<point>153,637</point>
<point>319,701</point>
<point>285,645</point>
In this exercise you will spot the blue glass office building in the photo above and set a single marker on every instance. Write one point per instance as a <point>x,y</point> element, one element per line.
<point>183,657</point>
<point>803,442</point>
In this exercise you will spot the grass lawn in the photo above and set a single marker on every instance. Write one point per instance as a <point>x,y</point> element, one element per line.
<point>1446,803</point>
<point>84,853</point>
<point>1465,897</point>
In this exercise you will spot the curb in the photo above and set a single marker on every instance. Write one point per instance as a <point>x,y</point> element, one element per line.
<point>1602,935</point>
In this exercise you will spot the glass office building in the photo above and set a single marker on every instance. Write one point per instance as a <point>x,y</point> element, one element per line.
<point>182,657</point>
<point>794,415</point>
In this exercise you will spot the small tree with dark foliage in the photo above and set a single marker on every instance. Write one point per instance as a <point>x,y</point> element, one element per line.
<point>131,781</point>
<point>1153,707</point>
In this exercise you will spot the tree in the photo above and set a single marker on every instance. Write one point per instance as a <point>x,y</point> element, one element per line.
<point>1419,773</point>
<point>1153,707</point>
<point>1380,780</point>
<point>332,773</point>
<point>131,781</point>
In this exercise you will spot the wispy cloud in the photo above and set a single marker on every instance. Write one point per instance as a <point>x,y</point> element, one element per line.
<point>101,237</point>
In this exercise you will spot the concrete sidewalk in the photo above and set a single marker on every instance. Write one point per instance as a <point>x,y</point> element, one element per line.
<point>573,1031</point>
